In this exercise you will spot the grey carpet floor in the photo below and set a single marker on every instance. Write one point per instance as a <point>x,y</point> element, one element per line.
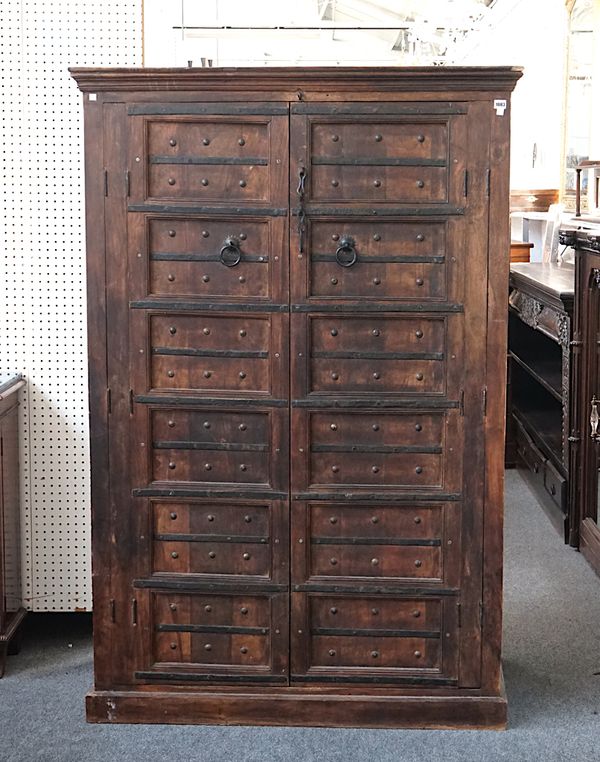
<point>551,663</point>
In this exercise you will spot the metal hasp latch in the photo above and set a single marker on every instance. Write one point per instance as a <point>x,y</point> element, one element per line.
<point>594,419</point>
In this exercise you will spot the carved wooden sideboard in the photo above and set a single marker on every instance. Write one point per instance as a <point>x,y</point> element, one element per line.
<point>11,610</point>
<point>539,387</point>
<point>297,330</point>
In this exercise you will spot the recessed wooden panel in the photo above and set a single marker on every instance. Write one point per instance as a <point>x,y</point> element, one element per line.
<point>329,612</point>
<point>379,139</point>
<point>208,137</point>
<point>350,376</point>
<point>212,556</point>
<point>377,521</point>
<point>211,518</point>
<point>196,257</point>
<point>398,429</point>
<point>374,653</point>
<point>374,334</point>
<point>414,185</point>
<point>390,561</point>
<point>393,260</point>
<point>245,428</point>
<point>208,182</point>
<point>383,469</point>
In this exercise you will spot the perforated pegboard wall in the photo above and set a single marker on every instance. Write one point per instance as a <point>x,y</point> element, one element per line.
<point>42,271</point>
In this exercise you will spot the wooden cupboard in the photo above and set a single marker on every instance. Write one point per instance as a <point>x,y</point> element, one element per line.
<point>297,330</point>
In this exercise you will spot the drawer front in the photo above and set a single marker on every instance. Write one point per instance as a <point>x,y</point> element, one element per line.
<point>204,446</point>
<point>370,260</point>
<point>379,139</point>
<point>217,634</point>
<point>352,544</point>
<point>211,257</point>
<point>218,159</point>
<point>377,355</point>
<point>373,638</point>
<point>556,486</point>
<point>219,354</point>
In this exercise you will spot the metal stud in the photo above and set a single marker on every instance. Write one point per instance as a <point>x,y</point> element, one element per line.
<point>420,237</point>
<point>204,181</point>
<point>244,610</point>
<point>207,424</point>
<point>242,333</point>
<point>377,183</point>
<point>243,650</point>
<point>378,138</point>
<point>173,516</point>
<point>173,646</point>
<point>212,554</point>
<point>374,562</point>
<point>207,467</point>
<point>333,610</point>
<point>206,142</point>
<point>420,184</point>
<point>206,279</point>
<point>333,520</point>
<point>419,470</point>
<point>210,517</point>
<point>331,652</point>
<point>242,183</point>
<point>242,427</point>
<point>376,332</point>
<point>334,331</point>
<point>375,611</point>
<point>333,426</point>
<point>335,183</point>
<point>335,376</point>
<point>207,374</point>
<point>170,373</point>
<point>243,467</point>
<point>335,237</point>
<point>242,375</point>
<point>208,647</point>
<point>335,138</point>
<point>172,465</point>
<point>375,654</point>
<point>335,469</point>
<point>172,330</point>
<point>419,376</point>
<point>376,281</point>
<point>170,278</point>
<point>375,427</point>
<point>418,563</point>
<point>421,138</point>
<point>418,427</point>
<point>208,608</point>
<point>171,181</point>
<point>172,142</point>
<point>418,519</point>
<point>242,279</point>
<point>374,520</point>
<point>376,376</point>
<point>241,142</point>
<point>375,469</point>
<point>333,561</point>
<point>173,606</point>
<point>417,654</point>
<point>205,234</point>
<point>416,613</point>
<point>419,281</point>
<point>246,556</point>
<point>248,519</point>
<point>243,236</point>
<point>174,554</point>
<point>172,234</point>
<point>206,331</point>
<point>419,334</point>
<point>377,237</point>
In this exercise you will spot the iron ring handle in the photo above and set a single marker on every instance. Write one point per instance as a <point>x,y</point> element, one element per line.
<point>230,246</point>
<point>348,247</point>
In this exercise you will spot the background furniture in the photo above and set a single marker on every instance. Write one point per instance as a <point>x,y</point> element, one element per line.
<point>301,267</point>
<point>539,398</point>
<point>11,611</point>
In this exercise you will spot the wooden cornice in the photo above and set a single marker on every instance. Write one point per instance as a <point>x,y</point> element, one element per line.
<point>314,79</point>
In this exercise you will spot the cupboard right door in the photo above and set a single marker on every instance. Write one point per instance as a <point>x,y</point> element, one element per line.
<point>388,259</point>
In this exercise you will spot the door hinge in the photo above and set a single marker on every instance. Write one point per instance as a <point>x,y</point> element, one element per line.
<point>1,447</point>
<point>481,614</point>
<point>127,183</point>
<point>134,611</point>
<point>484,401</point>
<point>113,611</point>
<point>105,183</point>
<point>461,402</point>
<point>109,401</point>
<point>131,402</point>
<point>488,182</point>
<point>459,615</point>
<point>466,184</point>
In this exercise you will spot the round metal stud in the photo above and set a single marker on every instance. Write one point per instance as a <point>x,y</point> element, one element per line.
<point>375,427</point>
<point>334,332</point>
<point>333,426</point>
<point>207,467</point>
<point>243,333</point>
<point>376,332</point>
<point>375,654</point>
<point>208,608</point>
<point>205,279</point>
<point>248,519</point>
<point>418,519</point>
<point>333,520</point>
<point>172,234</point>
<point>173,516</point>
<point>419,281</point>
<point>210,517</point>
<point>417,654</point>
<point>206,331</point>
<point>241,142</point>
<point>172,465</point>
<point>378,138</point>
<point>243,467</point>
<point>377,183</point>
<point>333,561</point>
<point>420,237</point>
<point>419,334</point>
<point>418,564</point>
<point>418,427</point>
<point>419,470</point>
<point>208,647</point>
<point>377,281</point>
<point>374,520</point>
<point>206,142</point>
<point>243,650</point>
<point>335,183</point>
<point>172,142</point>
<point>335,138</point>
<point>243,236</point>
<point>204,181</point>
<point>335,376</point>
<point>244,610</point>
<point>331,652</point>
<point>421,138</point>
<point>170,278</point>
<point>335,469</point>
<point>375,611</point>
<point>242,375</point>
<point>242,183</point>
<point>416,613</point>
<point>376,376</point>
<point>173,646</point>
<point>207,424</point>
<point>207,374</point>
<point>171,181</point>
<point>420,184</point>
<point>172,330</point>
<point>242,427</point>
<point>173,606</point>
<point>205,234</point>
<point>174,554</point>
<point>333,610</point>
<point>212,554</point>
<point>377,237</point>
<point>335,237</point>
<point>374,562</point>
<point>170,373</point>
<point>419,376</point>
<point>246,556</point>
